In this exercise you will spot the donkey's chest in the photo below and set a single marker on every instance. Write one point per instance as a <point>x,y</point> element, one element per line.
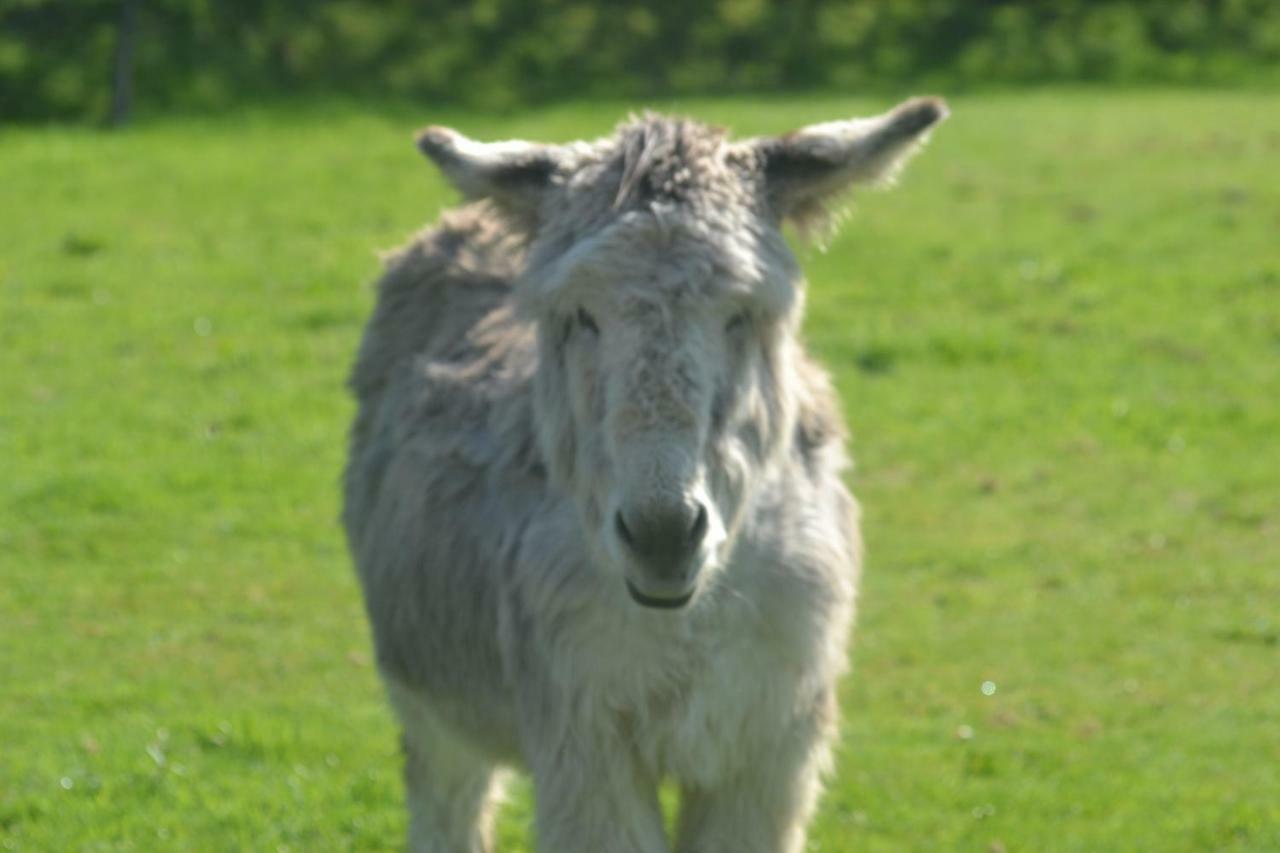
<point>690,707</point>
<point>699,736</point>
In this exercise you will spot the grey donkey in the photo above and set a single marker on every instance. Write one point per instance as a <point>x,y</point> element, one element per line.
<point>594,491</point>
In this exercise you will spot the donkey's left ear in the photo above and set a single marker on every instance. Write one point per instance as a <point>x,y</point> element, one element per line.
<point>806,168</point>
<point>513,173</point>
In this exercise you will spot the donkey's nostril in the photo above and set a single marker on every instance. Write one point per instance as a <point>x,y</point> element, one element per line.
<point>699,526</point>
<point>623,533</point>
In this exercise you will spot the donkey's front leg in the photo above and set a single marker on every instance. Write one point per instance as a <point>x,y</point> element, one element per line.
<point>595,799</point>
<point>765,806</point>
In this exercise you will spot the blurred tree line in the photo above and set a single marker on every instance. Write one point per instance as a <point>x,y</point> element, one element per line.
<point>58,58</point>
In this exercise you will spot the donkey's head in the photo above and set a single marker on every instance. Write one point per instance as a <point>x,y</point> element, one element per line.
<point>666,303</point>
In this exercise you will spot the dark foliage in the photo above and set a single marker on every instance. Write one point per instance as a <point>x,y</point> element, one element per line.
<point>57,56</point>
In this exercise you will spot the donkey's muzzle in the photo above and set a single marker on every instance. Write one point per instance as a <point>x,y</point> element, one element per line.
<point>664,540</point>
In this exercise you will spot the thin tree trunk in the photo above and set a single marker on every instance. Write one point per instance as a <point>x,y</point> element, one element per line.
<point>126,40</point>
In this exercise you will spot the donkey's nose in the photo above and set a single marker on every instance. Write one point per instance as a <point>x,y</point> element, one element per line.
<point>664,539</point>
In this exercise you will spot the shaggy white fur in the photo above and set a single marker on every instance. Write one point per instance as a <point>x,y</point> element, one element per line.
<point>594,492</point>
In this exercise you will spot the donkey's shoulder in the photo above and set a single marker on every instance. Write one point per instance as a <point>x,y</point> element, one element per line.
<point>435,289</point>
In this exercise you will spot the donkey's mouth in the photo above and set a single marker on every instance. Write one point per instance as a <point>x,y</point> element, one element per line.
<point>658,603</point>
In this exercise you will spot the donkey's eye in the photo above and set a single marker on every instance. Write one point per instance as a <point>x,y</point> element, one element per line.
<point>586,321</point>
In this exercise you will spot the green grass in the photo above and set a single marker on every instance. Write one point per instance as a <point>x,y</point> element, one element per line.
<point>1058,343</point>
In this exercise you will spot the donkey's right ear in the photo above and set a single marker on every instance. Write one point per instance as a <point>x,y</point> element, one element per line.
<point>514,173</point>
<point>805,170</point>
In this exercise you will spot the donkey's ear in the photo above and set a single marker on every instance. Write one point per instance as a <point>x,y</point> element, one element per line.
<point>513,173</point>
<point>804,169</point>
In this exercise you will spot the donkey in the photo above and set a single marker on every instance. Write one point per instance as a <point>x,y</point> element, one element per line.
<point>594,490</point>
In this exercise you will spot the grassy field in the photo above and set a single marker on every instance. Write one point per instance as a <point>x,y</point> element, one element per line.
<point>1058,343</point>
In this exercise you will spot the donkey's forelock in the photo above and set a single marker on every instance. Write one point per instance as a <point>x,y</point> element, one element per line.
<point>660,193</point>
<point>659,184</point>
<point>663,159</point>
